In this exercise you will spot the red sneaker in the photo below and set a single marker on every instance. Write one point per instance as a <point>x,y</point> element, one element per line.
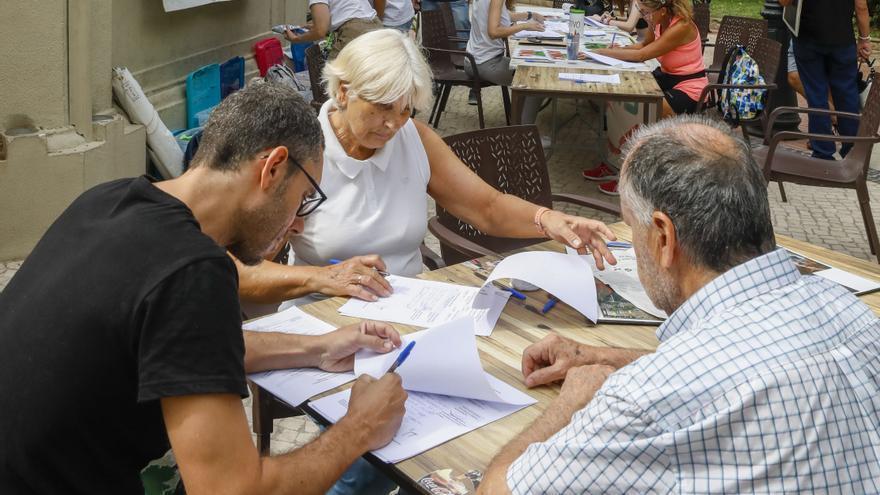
<point>609,188</point>
<point>601,173</point>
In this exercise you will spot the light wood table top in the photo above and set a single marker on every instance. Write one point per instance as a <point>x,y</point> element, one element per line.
<point>634,85</point>
<point>518,328</point>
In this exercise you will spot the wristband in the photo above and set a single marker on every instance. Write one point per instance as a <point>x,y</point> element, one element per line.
<point>538,215</point>
<point>864,38</point>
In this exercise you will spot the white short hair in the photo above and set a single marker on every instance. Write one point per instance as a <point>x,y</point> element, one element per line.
<point>381,66</point>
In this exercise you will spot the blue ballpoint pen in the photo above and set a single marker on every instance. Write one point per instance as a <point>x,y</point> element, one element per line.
<point>401,357</point>
<point>334,261</point>
<point>549,305</point>
<point>618,244</point>
<point>515,293</point>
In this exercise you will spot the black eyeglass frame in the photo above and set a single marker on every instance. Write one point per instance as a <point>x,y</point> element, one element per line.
<point>311,203</point>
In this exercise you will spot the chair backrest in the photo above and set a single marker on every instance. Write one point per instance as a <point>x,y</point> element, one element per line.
<point>448,18</point>
<point>509,159</point>
<point>767,53</point>
<point>701,19</point>
<point>435,35</point>
<point>734,30</point>
<point>315,63</point>
<point>868,125</point>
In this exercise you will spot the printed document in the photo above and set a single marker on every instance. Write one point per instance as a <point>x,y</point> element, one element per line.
<point>569,278</point>
<point>295,386</point>
<point>426,303</point>
<point>613,62</point>
<point>590,78</point>
<point>450,393</point>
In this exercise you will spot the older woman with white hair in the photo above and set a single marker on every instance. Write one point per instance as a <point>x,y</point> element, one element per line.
<point>378,165</point>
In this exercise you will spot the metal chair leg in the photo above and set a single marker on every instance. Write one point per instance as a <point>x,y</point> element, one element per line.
<point>480,107</point>
<point>868,217</point>
<point>447,88</point>
<point>505,97</point>
<point>782,192</point>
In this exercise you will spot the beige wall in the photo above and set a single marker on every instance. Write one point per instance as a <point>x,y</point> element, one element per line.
<point>55,71</point>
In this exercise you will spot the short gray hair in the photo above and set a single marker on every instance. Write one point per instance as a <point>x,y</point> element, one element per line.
<point>381,66</point>
<point>261,116</point>
<point>697,172</point>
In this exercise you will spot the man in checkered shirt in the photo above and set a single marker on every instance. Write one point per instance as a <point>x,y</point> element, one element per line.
<point>764,380</point>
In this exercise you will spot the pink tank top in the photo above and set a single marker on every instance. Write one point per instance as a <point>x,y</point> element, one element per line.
<point>685,59</point>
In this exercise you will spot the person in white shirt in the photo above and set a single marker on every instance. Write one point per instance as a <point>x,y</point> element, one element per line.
<point>379,167</point>
<point>346,19</point>
<point>396,14</point>
<point>765,380</point>
<point>491,23</point>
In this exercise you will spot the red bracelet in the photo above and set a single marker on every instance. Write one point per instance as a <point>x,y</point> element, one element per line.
<point>538,215</point>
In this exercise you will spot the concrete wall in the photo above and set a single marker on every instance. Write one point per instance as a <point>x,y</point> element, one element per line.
<point>59,132</point>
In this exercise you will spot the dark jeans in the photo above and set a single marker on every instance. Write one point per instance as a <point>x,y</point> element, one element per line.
<point>821,68</point>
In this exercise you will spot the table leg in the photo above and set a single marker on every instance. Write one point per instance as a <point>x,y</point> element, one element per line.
<point>517,98</point>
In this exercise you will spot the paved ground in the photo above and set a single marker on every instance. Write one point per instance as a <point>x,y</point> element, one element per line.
<point>825,217</point>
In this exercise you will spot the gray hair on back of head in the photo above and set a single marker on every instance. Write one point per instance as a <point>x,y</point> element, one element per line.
<point>261,116</point>
<point>693,169</point>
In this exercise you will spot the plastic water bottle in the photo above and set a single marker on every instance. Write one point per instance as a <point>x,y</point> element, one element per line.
<point>575,26</point>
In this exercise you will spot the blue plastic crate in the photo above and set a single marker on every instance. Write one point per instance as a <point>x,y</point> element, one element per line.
<point>202,92</point>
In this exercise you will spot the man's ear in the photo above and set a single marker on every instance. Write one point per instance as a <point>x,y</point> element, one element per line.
<point>274,168</point>
<point>664,239</point>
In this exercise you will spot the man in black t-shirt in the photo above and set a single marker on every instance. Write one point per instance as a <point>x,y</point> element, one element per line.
<point>826,56</point>
<point>122,331</point>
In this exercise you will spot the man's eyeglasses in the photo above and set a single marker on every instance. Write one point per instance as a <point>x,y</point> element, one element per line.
<point>312,201</point>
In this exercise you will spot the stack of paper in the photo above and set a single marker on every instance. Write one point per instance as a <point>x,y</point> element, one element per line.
<point>539,34</point>
<point>295,386</point>
<point>593,78</point>
<point>426,303</point>
<point>450,393</point>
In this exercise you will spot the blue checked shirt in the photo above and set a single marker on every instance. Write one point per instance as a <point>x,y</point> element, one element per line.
<point>765,381</point>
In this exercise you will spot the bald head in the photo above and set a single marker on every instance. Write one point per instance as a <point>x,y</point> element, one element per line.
<point>696,172</point>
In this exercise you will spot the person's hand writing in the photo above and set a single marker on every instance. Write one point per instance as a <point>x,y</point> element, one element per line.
<point>356,277</point>
<point>581,384</point>
<point>537,17</point>
<point>291,36</point>
<point>340,345</point>
<point>533,25</point>
<point>581,234</point>
<point>548,360</point>
<point>377,407</point>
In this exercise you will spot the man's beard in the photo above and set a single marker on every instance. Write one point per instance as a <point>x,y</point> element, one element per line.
<point>258,229</point>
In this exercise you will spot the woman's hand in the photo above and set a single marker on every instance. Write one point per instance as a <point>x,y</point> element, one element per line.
<point>356,277</point>
<point>581,234</point>
<point>537,17</point>
<point>532,25</point>
<point>340,346</point>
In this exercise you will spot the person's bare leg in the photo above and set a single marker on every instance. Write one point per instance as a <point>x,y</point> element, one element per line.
<point>794,80</point>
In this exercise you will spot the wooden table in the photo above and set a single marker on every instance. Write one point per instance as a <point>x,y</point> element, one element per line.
<point>544,82</point>
<point>516,329</point>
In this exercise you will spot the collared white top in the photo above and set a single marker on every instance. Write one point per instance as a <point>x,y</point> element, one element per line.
<point>765,381</point>
<point>397,12</point>
<point>342,11</point>
<point>374,206</point>
<point>480,44</point>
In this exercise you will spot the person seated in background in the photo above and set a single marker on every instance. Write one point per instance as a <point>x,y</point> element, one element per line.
<point>395,14</point>
<point>123,325</point>
<point>492,21</point>
<point>633,22</point>
<point>765,380</point>
<point>378,166</point>
<point>674,41</point>
<point>345,19</point>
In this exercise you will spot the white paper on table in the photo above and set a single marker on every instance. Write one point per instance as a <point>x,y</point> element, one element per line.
<point>556,26</point>
<point>427,303</point>
<point>849,280</point>
<point>539,34</point>
<point>590,78</point>
<point>443,361</point>
<point>295,386</point>
<point>432,419</point>
<point>612,61</point>
<point>624,279</point>
<point>595,23</point>
<point>569,278</point>
<point>594,32</point>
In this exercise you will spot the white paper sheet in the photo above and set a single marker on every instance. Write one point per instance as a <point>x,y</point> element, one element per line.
<point>624,279</point>
<point>595,23</point>
<point>569,278</point>
<point>427,303</point>
<point>443,361</point>
<point>849,280</point>
<point>539,34</point>
<point>295,386</point>
<point>590,78</point>
<point>613,62</point>
<point>432,419</point>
